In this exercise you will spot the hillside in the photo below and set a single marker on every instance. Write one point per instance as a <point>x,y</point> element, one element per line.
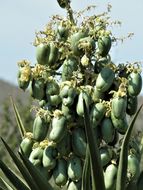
<point>8,90</point>
<point>22,100</point>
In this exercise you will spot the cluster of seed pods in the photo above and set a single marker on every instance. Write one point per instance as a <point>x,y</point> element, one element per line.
<point>73,65</point>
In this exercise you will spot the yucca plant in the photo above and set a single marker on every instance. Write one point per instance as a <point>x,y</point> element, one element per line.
<point>81,138</point>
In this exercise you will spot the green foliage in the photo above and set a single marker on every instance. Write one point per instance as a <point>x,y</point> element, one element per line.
<point>84,101</point>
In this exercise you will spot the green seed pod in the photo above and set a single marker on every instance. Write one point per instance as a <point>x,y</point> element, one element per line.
<point>121,125</point>
<point>68,101</point>
<point>79,142</point>
<point>69,66</point>
<point>40,129</point>
<point>54,55</point>
<point>36,156</point>
<point>37,89</point>
<point>97,113</point>
<point>42,54</point>
<point>97,95</point>
<point>47,54</point>
<point>63,3</point>
<point>104,45</point>
<point>135,84</point>
<point>118,107</point>
<point>67,112</point>
<point>107,130</point>
<point>105,79</point>
<point>23,81</point>
<point>68,93</point>
<point>133,168</point>
<point>65,88</point>
<point>58,127</point>
<point>74,168</point>
<point>132,104</point>
<point>80,106</point>
<point>64,146</point>
<point>26,145</point>
<point>110,177</point>
<point>23,84</point>
<point>42,103</point>
<point>49,157</point>
<point>60,172</point>
<point>74,185</point>
<point>54,100</point>
<point>62,32</point>
<point>106,155</point>
<point>52,92</point>
<point>75,42</point>
<point>52,87</point>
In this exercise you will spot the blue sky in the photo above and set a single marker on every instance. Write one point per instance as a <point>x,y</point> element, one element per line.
<point>19,19</point>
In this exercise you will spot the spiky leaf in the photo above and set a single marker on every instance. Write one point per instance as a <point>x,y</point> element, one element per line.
<point>6,185</point>
<point>86,183</point>
<point>21,168</point>
<point>18,118</point>
<point>97,177</point>
<point>12,177</point>
<point>123,161</point>
<point>41,181</point>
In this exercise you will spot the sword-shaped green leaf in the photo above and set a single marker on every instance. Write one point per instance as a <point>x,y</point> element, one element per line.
<point>96,167</point>
<point>21,168</point>
<point>6,185</point>
<point>123,161</point>
<point>18,184</point>
<point>41,181</point>
<point>18,118</point>
<point>86,175</point>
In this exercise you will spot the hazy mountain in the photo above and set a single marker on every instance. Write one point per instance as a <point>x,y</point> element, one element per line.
<point>8,89</point>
